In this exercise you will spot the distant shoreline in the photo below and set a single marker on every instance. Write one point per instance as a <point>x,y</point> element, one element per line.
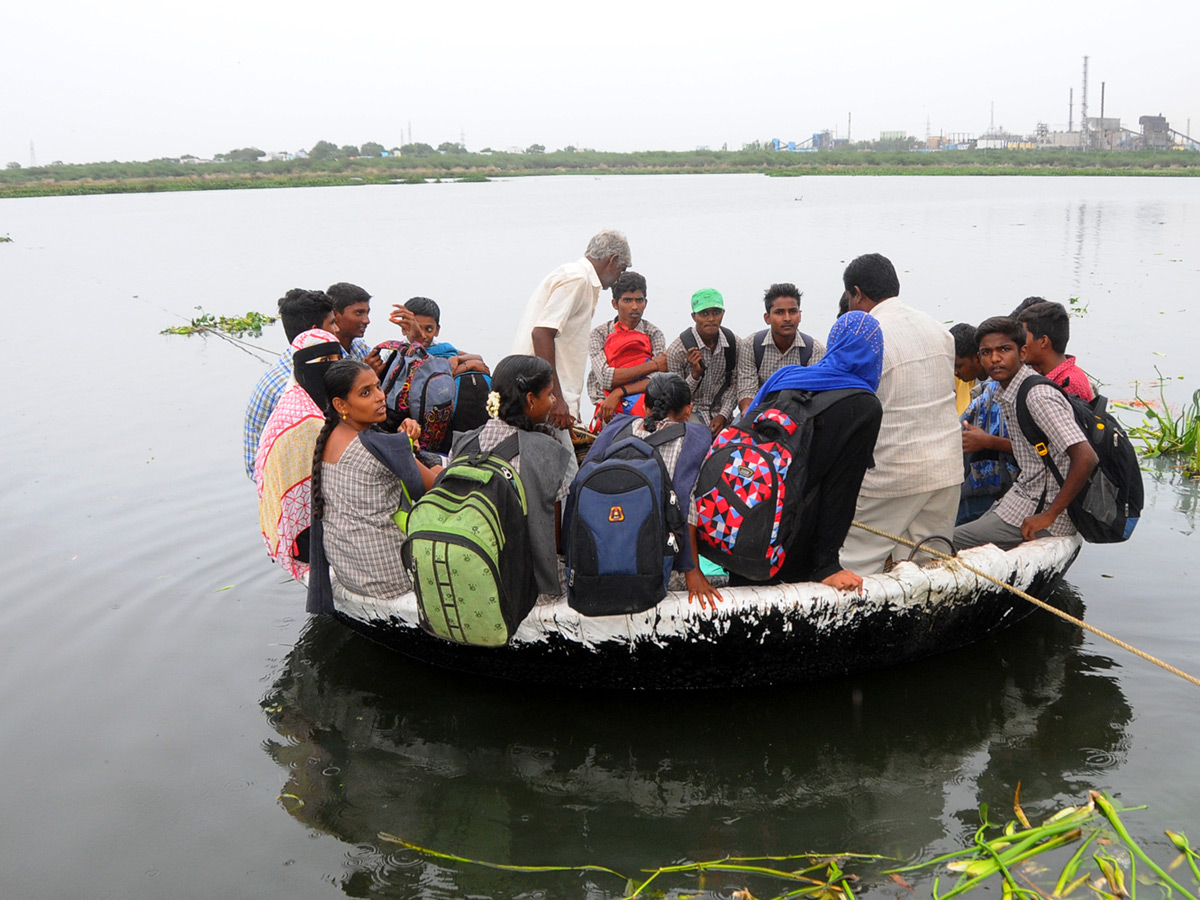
<point>172,175</point>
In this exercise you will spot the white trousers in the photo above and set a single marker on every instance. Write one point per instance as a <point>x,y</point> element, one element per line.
<point>914,517</point>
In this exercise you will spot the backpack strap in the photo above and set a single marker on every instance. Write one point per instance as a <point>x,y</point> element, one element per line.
<point>688,339</point>
<point>806,348</point>
<point>507,448</point>
<point>759,349</point>
<point>1030,429</point>
<point>663,435</point>
<point>395,452</point>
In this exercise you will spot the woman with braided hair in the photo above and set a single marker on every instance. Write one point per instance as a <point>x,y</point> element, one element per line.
<point>361,478</point>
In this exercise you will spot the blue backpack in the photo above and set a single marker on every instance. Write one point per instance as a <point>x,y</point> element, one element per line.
<point>419,386</point>
<point>623,527</point>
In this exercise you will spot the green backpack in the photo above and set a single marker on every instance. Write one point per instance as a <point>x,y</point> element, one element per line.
<point>468,550</point>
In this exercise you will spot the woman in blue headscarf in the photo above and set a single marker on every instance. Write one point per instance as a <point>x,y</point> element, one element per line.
<point>842,443</point>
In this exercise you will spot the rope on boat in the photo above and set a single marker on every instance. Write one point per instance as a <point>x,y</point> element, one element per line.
<point>1041,604</point>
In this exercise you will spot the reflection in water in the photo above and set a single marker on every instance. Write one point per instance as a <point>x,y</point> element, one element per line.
<point>893,763</point>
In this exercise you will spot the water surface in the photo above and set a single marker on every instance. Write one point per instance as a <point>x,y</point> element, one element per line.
<point>175,726</point>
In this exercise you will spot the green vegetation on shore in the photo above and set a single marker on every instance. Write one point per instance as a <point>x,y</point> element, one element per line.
<point>188,175</point>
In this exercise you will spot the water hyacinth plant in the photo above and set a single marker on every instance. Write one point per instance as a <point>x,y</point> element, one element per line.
<point>251,323</point>
<point>1162,434</point>
<point>1083,851</point>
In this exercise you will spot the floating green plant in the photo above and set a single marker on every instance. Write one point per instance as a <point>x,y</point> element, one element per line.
<point>1162,434</point>
<point>1107,861</point>
<point>251,323</point>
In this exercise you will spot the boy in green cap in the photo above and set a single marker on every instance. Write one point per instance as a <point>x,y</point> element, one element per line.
<point>706,356</point>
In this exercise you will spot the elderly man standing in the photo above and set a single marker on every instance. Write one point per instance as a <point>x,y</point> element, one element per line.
<point>558,320</point>
<point>913,490</point>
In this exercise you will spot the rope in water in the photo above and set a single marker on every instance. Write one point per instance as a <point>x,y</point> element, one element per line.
<point>1041,604</point>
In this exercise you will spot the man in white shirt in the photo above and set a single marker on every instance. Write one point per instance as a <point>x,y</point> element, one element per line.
<point>913,490</point>
<point>558,320</point>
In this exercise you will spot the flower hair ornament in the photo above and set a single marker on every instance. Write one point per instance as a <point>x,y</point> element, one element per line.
<point>493,404</point>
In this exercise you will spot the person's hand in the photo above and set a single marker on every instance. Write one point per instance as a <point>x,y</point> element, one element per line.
<point>696,360</point>
<point>412,428</point>
<point>402,316</point>
<point>661,362</point>
<point>717,423</point>
<point>974,438</point>
<point>560,416</point>
<point>1031,526</point>
<point>844,580</point>
<point>700,588</point>
<point>609,407</point>
<point>375,361</point>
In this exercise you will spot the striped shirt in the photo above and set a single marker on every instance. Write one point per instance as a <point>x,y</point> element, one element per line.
<point>1052,413</point>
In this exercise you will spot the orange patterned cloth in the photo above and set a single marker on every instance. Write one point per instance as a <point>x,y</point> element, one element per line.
<point>283,467</point>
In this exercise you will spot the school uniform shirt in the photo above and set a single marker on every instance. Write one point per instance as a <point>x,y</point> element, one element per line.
<point>600,378</point>
<point>708,399</point>
<point>919,448</point>
<point>565,301</point>
<point>1053,414</point>
<point>1073,379</point>
<point>749,378</point>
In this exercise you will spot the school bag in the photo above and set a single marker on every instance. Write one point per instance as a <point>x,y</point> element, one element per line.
<point>468,550</point>
<point>688,339</point>
<point>419,386</point>
<point>470,401</point>
<point>749,490</point>
<point>1108,508</point>
<point>622,527</point>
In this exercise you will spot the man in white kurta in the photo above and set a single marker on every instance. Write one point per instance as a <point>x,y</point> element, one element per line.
<point>913,490</point>
<point>558,319</point>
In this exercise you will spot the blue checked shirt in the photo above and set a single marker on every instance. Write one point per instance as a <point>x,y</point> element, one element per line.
<point>267,393</point>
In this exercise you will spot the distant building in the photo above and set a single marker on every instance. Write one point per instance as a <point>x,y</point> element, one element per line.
<point>1156,132</point>
<point>1071,140</point>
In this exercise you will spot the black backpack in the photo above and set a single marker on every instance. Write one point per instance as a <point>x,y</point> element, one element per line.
<point>749,491</point>
<point>1107,509</point>
<point>470,404</point>
<point>622,527</point>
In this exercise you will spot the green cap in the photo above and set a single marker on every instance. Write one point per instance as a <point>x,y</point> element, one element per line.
<point>707,298</point>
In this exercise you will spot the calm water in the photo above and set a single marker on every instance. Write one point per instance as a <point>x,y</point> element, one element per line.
<point>175,727</point>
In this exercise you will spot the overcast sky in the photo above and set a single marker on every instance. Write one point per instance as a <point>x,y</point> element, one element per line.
<point>132,81</point>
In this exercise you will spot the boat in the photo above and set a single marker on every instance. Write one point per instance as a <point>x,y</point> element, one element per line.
<point>758,635</point>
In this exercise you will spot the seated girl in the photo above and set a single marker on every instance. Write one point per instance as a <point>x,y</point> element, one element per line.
<point>361,479</point>
<point>521,398</point>
<point>669,400</point>
<point>283,463</point>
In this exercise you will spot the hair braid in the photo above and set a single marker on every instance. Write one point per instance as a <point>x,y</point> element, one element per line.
<point>317,501</point>
<point>666,394</point>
